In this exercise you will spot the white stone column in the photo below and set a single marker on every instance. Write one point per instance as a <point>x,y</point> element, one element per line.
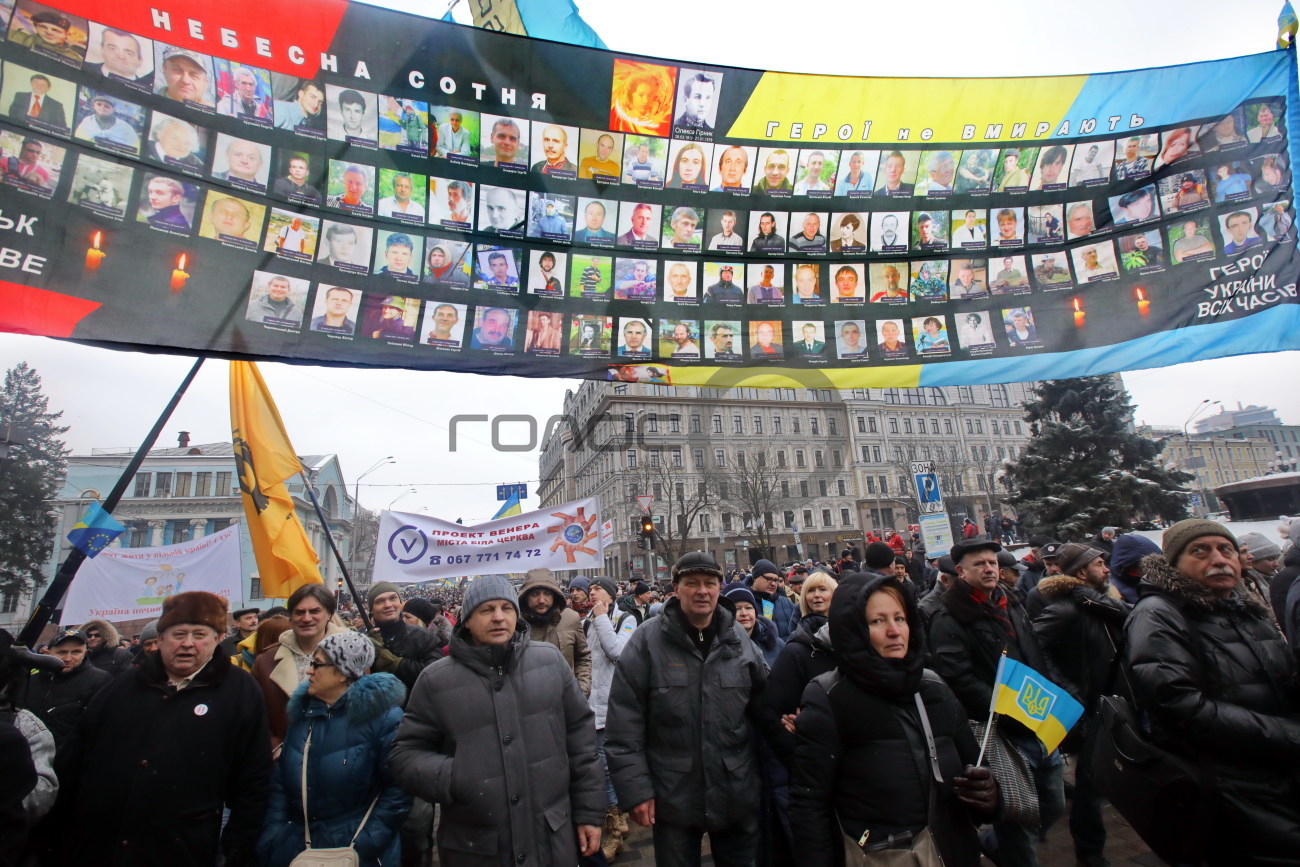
<point>199,528</point>
<point>156,533</point>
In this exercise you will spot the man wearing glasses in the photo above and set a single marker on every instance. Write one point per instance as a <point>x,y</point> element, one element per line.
<point>102,647</point>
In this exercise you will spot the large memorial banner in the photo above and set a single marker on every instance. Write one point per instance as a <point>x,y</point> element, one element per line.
<point>334,183</point>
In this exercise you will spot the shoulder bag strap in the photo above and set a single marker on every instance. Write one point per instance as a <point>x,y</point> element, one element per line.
<point>364,819</point>
<point>306,822</point>
<point>929,738</point>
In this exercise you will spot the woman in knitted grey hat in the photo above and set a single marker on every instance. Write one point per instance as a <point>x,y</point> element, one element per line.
<point>344,720</point>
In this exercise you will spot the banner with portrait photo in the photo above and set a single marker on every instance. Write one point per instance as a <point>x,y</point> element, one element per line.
<point>132,583</point>
<point>415,548</point>
<point>334,183</point>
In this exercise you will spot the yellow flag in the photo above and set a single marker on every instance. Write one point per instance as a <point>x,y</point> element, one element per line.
<point>264,458</point>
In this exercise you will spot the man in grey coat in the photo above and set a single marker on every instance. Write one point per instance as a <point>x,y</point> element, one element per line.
<point>678,737</point>
<point>499,734</point>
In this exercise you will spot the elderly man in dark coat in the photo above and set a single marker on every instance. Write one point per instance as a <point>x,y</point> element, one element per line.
<point>1219,684</point>
<point>162,749</point>
<point>499,734</point>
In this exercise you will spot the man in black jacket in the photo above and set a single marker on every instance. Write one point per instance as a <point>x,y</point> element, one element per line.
<point>58,698</point>
<point>1219,684</point>
<point>102,649</point>
<point>1079,629</point>
<point>979,620</point>
<point>183,735</point>
<point>405,651</point>
<point>677,739</point>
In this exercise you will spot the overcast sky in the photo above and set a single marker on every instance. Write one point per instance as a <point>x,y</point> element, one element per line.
<point>112,398</point>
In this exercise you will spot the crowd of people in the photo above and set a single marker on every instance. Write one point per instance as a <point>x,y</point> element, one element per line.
<point>811,714</point>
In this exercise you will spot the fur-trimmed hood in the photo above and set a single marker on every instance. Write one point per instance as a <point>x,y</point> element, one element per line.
<point>111,635</point>
<point>1160,577</point>
<point>1059,586</point>
<point>368,697</point>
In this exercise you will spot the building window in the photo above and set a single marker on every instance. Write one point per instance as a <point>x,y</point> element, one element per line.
<point>657,490</point>
<point>871,424</point>
<point>695,423</point>
<point>652,420</point>
<point>799,459</point>
<point>832,426</point>
<point>891,395</point>
<point>826,517</point>
<point>141,485</point>
<point>843,487</point>
<point>947,426</point>
<point>794,425</point>
<point>758,424</point>
<point>697,458</point>
<point>871,485</point>
<point>934,426</point>
<point>866,454</point>
<point>139,536</point>
<point>821,487</point>
<point>631,459</point>
<point>875,454</point>
<point>837,459</point>
<point>223,485</point>
<point>862,424</point>
<point>965,394</point>
<point>629,422</point>
<point>907,425</point>
<point>677,458</point>
<point>740,458</point>
<point>884,486</point>
<point>183,484</point>
<point>780,459</point>
<point>807,519</point>
<point>1017,427</point>
<point>9,603</point>
<point>705,524</point>
<point>162,484</point>
<point>737,424</point>
<point>203,484</point>
<point>726,522</point>
<point>819,460</point>
<point>979,426</point>
<point>803,488</point>
<point>654,457</point>
<point>717,424</point>
<point>785,488</point>
<point>776,424</point>
<point>844,517</point>
<point>812,426</point>
<point>719,458</point>
<point>181,532</point>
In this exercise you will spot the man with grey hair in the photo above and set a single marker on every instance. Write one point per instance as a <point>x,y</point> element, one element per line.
<point>243,101</point>
<point>1217,680</point>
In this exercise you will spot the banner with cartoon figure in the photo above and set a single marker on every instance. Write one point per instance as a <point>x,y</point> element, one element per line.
<point>132,583</point>
<point>333,183</point>
<point>414,548</point>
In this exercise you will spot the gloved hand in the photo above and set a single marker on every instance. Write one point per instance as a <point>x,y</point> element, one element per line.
<point>977,788</point>
<point>385,659</point>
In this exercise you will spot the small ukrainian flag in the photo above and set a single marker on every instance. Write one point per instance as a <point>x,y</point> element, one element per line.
<point>1031,699</point>
<point>510,507</point>
<point>95,531</point>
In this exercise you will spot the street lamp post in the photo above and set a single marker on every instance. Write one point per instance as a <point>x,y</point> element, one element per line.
<point>405,493</point>
<point>356,504</point>
<point>1187,444</point>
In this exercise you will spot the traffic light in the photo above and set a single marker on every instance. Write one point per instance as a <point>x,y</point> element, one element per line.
<point>648,532</point>
<point>638,533</point>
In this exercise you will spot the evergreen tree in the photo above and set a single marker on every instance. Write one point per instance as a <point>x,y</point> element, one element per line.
<point>33,464</point>
<point>1084,467</point>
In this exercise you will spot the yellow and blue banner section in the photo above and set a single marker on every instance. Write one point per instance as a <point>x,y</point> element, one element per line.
<point>512,506</point>
<point>1034,701</point>
<point>95,531</point>
<point>513,199</point>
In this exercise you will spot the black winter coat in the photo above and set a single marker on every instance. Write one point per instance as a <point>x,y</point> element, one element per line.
<point>807,654</point>
<point>1217,679</point>
<point>58,699</point>
<point>966,642</point>
<point>861,756</point>
<point>678,730</point>
<point>152,768</point>
<point>1080,630</point>
<point>1281,585</point>
<point>417,648</point>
